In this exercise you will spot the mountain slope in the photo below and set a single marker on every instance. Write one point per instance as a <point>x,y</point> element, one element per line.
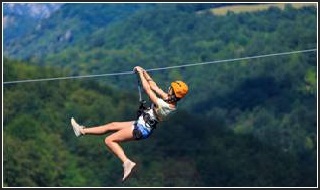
<point>21,18</point>
<point>245,122</point>
<point>66,27</point>
<point>75,23</point>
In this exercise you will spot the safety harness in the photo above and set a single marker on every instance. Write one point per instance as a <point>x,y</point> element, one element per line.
<point>143,108</point>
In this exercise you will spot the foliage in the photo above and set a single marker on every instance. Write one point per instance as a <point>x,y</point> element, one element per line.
<point>249,123</point>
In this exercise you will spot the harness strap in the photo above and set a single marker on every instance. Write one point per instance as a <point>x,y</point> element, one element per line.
<point>139,88</point>
<point>142,108</point>
<point>142,102</point>
<point>147,118</point>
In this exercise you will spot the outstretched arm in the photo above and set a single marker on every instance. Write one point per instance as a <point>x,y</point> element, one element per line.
<point>146,86</point>
<point>153,86</point>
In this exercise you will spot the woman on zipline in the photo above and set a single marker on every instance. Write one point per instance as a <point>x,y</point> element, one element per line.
<point>142,128</point>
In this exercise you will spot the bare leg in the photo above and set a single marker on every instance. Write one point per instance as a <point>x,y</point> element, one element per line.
<point>112,141</point>
<point>103,129</point>
<point>122,135</point>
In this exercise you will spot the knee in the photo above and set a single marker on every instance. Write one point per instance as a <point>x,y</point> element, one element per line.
<point>108,141</point>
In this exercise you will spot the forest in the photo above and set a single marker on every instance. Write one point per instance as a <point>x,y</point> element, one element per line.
<point>244,123</point>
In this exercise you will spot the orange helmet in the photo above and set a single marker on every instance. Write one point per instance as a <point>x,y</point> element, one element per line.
<point>180,88</point>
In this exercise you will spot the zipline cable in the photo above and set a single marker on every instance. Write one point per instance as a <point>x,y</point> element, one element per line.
<point>160,68</point>
<point>230,60</point>
<point>70,77</point>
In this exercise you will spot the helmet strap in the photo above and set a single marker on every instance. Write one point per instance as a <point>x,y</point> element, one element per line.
<point>172,98</point>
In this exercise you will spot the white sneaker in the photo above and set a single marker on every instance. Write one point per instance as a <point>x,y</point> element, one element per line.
<point>76,127</point>
<point>127,167</point>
